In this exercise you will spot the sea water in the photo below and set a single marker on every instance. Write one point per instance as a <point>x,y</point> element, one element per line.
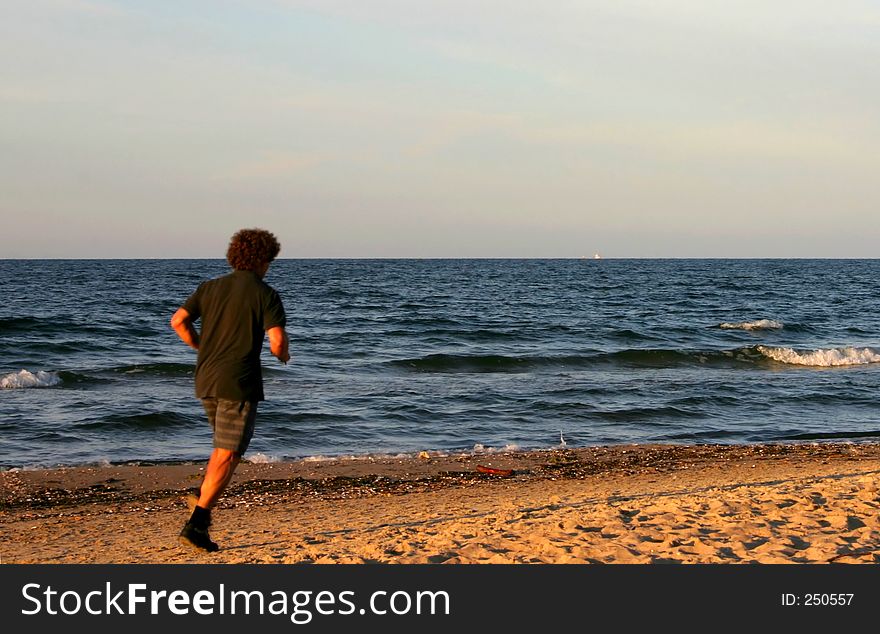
<point>403,356</point>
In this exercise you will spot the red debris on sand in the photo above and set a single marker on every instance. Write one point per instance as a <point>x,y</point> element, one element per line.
<point>498,472</point>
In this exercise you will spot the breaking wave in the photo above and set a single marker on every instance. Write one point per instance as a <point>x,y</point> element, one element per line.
<point>25,379</point>
<point>827,358</point>
<point>748,356</point>
<point>758,324</point>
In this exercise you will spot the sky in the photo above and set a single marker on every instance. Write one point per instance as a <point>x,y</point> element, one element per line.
<point>448,128</point>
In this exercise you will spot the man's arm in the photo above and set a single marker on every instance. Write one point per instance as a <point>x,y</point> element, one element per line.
<point>279,344</point>
<point>184,328</point>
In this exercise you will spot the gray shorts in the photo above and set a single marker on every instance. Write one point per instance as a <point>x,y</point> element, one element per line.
<point>232,422</point>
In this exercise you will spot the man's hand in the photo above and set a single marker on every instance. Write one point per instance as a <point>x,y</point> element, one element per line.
<point>184,328</point>
<point>279,344</point>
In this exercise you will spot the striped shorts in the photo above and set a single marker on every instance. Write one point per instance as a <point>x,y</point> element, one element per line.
<point>232,422</point>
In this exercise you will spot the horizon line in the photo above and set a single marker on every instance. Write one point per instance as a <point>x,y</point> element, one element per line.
<point>590,258</point>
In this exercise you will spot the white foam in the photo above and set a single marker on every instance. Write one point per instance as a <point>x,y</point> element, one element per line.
<point>368,457</point>
<point>23,379</point>
<point>372,457</point>
<point>480,449</point>
<point>758,324</point>
<point>316,459</point>
<point>822,358</point>
<point>261,458</point>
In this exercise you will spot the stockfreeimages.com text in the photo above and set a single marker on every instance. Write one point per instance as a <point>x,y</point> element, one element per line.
<point>300,606</point>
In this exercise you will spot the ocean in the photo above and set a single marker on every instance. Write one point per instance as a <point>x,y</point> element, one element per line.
<point>444,356</point>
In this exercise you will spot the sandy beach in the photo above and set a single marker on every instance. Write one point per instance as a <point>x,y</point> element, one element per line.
<point>802,503</point>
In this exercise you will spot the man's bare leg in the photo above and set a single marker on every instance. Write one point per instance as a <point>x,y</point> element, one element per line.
<point>218,474</point>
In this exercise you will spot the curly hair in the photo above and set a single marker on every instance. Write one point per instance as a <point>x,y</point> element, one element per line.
<point>250,249</point>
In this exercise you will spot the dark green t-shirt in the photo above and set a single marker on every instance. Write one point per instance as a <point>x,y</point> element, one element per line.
<point>236,310</point>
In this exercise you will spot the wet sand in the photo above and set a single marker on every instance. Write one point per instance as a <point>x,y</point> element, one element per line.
<point>800,503</point>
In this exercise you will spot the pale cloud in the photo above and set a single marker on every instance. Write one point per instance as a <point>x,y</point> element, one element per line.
<point>103,9</point>
<point>25,94</point>
<point>271,166</point>
<point>780,20</point>
<point>81,7</point>
<point>816,142</point>
<point>831,141</point>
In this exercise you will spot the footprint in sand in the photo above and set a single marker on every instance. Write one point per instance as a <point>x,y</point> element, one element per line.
<point>798,543</point>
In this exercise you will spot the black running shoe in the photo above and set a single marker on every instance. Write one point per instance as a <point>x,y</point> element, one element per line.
<point>192,535</point>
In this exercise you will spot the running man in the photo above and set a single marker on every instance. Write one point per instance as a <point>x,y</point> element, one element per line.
<point>236,311</point>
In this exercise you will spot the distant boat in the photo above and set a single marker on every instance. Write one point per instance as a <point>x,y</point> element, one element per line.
<point>596,256</point>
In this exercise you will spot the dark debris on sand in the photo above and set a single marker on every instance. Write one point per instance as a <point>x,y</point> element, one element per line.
<point>113,496</point>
